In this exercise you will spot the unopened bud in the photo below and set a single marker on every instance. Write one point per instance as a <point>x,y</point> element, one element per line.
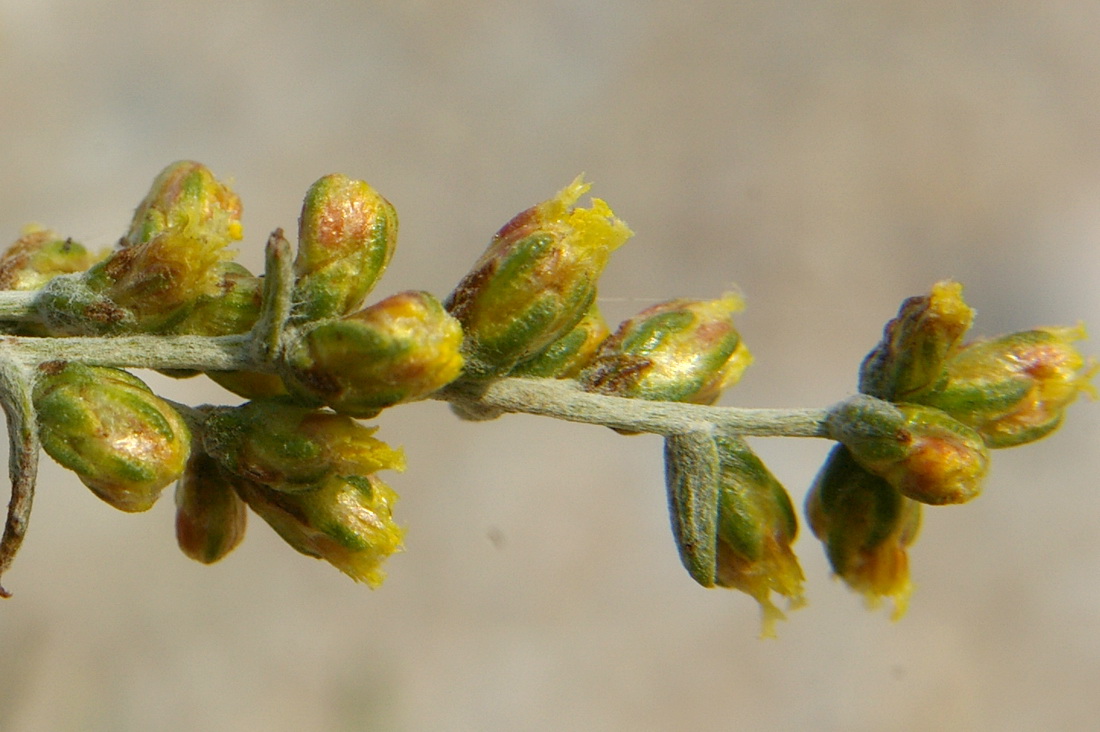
<point>293,449</point>
<point>186,196</point>
<point>568,355</point>
<point>921,451</point>
<point>210,516</point>
<point>535,281</point>
<point>346,236</point>
<point>866,526</point>
<point>681,351</point>
<point>1015,389</point>
<point>915,344</point>
<point>756,528</point>
<point>733,521</point>
<point>347,521</point>
<point>122,441</point>
<point>168,262</point>
<point>398,350</point>
<point>38,256</point>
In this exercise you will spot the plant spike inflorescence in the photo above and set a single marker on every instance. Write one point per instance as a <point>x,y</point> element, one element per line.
<point>520,333</point>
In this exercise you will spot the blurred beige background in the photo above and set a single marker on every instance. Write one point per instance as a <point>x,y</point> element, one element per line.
<point>829,159</point>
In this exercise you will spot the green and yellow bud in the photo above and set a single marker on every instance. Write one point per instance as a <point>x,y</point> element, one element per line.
<point>681,351</point>
<point>536,280</point>
<point>122,441</point>
<point>168,262</point>
<point>186,197</point>
<point>1015,389</point>
<point>399,350</point>
<point>293,449</point>
<point>210,516</point>
<point>732,520</point>
<point>866,526</point>
<point>38,256</point>
<point>921,451</point>
<point>347,521</point>
<point>916,344</point>
<point>756,528</point>
<point>346,236</point>
<point>566,357</point>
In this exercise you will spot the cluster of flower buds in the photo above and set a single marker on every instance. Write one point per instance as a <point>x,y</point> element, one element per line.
<point>938,406</point>
<point>309,473</point>
<point>318,356</point>
<point>294,454</point>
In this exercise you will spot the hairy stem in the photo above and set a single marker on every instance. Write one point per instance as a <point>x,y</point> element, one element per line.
<point>565,400</point>
<point>15,398</point>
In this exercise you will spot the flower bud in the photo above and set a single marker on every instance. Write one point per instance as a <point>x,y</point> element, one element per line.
<point>293,449</point>
<point>920,451</point>
<point>186,196</point>
<point>169,261</point>
<point>121,440</point>
<point>756,527</point>
<point>347,521</point>
<point>568,355</point>
<point>38,256</point>
<point>535,281</point>
<point>733,521</point>
<point>210,516</point>
<point>915,344</point>
<point>398,350</point>
<point>681,351</point>
<point>346,236</point>
<point>866,526</point>
<point>1014,389</point>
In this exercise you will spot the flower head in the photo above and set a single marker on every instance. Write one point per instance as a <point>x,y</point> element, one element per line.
<point>347,521</point>
<point>291,448</point>
<point>681,351</point>
<point>398,350</point>
<point>756,528</point>
<point>38,256</point>
<point>122,441</point>
<point>1015,389</point>
<point>210,516</point>
<point>346,236</point>
<point>866,526</point>
<point>915,344</point>
<point>921,451</point>
<point>535,281</point>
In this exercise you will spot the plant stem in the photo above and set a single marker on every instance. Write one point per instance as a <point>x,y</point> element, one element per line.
<point>17,305</point>
<point>565,400</point>
<point>15,398</point>
<point>221,353</point>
